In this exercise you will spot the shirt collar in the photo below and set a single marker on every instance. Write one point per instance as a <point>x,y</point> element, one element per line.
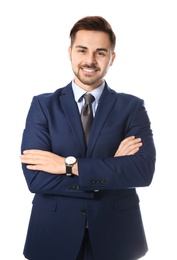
<point>79,92</point>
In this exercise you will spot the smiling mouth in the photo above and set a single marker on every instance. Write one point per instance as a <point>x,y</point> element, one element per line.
<point>89,70</point>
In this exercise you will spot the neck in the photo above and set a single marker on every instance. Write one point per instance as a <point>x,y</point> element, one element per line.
<point>88,88</point>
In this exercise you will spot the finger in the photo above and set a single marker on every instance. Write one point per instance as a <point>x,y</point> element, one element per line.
<point>35,152</point>
<point>35,167</point>
<point>133,151</point>
<point>129,145</point>
<point>44,168</point>
<point>129,141</point>
<point>126,140</point>
<point>31,159</point>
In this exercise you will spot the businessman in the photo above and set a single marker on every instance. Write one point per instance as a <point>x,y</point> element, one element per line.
<point>85,149</point>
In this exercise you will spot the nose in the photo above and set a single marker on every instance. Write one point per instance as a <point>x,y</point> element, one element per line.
<point>90,59</point>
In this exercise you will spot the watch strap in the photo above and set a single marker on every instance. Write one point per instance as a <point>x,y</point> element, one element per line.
<point>69,170</point>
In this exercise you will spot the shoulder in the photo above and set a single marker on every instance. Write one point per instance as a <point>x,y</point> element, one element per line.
<point>52,96</point>
<point>124,97</point>
<point>128,97</point>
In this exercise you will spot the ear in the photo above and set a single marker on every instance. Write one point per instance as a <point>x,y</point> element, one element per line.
<point>69,52</point>
<point>113,58</point>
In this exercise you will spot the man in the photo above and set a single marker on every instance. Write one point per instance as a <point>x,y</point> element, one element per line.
<point>85,204</point>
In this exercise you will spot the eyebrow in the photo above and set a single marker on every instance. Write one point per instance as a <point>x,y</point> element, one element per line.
<point>98,49</point>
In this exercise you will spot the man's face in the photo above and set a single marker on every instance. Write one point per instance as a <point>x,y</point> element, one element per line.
<point>91,56</point>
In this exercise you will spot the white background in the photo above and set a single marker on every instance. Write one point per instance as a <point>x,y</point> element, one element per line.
<point>34,38</point>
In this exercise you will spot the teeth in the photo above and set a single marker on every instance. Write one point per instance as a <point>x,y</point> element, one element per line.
<point>88,70</point>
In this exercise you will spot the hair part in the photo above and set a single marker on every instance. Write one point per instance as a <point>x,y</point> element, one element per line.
<point>93,23</point>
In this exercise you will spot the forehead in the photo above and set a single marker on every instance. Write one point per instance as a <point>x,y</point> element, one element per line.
<point>92,39</point>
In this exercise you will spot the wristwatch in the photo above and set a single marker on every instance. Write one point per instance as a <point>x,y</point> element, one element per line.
<point>69,162</point>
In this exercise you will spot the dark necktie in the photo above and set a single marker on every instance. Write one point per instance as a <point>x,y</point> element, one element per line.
<point>87,115</point>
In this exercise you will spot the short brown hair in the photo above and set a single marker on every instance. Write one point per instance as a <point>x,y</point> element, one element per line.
<point>93,23</point>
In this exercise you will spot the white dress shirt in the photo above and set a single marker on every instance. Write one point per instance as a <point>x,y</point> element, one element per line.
<point>79,92</point>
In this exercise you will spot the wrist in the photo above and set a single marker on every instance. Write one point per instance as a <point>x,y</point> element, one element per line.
<point>75,169</point>
<point>70,161</point>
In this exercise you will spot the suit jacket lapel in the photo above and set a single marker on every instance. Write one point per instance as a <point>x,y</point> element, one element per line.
<point>73,116</point>
<point>105,106</point>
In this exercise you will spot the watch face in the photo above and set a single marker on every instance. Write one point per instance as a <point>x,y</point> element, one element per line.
<point>70,160</point>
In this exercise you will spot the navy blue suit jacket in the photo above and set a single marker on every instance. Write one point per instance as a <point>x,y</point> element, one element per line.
<point>105,191</point>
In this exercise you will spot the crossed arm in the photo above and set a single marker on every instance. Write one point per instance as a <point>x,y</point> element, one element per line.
<point>55,164</point>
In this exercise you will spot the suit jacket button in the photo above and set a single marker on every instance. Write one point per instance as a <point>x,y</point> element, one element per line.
<point>83,211</point>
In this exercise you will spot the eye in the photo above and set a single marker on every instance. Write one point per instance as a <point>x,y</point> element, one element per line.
<point>81,51</point>
<point>100,54</point>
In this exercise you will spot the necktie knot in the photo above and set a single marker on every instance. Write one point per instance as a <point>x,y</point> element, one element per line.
<point>89,98</point>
